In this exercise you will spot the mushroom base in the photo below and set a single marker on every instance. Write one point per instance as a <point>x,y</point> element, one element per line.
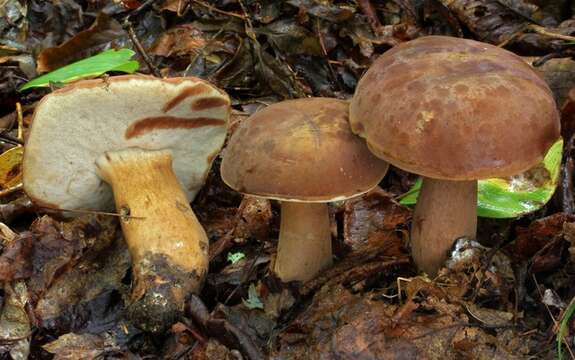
<point>160,292</point>
<point>304,246</point>
<point>445,211</point>
<point>168,246</point>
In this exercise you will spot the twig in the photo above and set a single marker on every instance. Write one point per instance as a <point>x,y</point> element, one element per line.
<point>14,339</point>
<point>543,31</point>
<point>10,139</point>
<point>132,34</point>
<point>368,10</point>
<point>84,211</point>
<point>127,25</point>
<point>542,60</point>
<point>140,9</point>
<point>221,329</point>
<point>249,27</point>
<point>324,51</point>
<point>245,276</point>
<point>555,323</point>
<point>11,190</point>
<point>20,118</point>
<point>215,9</point>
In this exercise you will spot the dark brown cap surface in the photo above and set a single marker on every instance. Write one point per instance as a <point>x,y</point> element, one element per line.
<point>456,109</point>
<point>300,150</point>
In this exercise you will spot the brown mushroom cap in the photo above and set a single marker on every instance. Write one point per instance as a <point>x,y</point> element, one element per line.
<point>75,125</point>
<point>456,109</point>
<point>300,150</point>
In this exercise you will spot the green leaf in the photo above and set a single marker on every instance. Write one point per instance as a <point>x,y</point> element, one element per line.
<point>235,257</point>
<point>253,301</point>
<point>109,60</point>
<point>514,196</point>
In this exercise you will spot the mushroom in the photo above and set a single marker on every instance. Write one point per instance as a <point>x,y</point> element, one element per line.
<point>302,153</point>
<point>453,111</point>
<point>153,141</point>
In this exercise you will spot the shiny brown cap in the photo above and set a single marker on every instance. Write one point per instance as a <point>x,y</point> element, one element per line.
<point>457,109</point>
<point>300,150</point>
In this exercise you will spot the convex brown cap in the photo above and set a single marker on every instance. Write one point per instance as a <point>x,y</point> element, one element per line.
<point>457,109</point>
<point>75,125</point>
<point>300,150</point>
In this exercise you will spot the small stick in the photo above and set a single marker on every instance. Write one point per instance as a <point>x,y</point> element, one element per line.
<point>543,31</point>
<point>368,10</point>
<point>215,9</point>
<point>324,51</point>
<point>132,34</point>
<point>11,190</point>
<point>127,25</point>
<point>84,211</point>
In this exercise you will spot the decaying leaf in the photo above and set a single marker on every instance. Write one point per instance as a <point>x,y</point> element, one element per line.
<point>11,167</point>
<point>60,246</point>
<point>15,260</point>
<point>15,325</point>
<point>88,296</point>
<point>339,324</point>
<point>81,346</point>
<point>559,74</point>
<point>542,241</point>
<point>375,218</point>
<point>103,30</point>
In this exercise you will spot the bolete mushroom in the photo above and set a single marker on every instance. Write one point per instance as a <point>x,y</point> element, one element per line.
<point>153,141</point>
<point>453,111</point>
<point>303,153</point>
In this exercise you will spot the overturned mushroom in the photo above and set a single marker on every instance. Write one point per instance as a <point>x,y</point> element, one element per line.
<point>153,141</point>
<point>303,153</point>
<point>453,111</point>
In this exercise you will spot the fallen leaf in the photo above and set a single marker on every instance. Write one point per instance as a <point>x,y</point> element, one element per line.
<point>15,327</point>
<point>11,167</point>
<point>102,31</point>
<point>81,346</point>
<point>15,260</point>
<point>375,218</point>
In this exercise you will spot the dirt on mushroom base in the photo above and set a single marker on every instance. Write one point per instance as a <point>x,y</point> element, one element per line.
<point>161,287</point>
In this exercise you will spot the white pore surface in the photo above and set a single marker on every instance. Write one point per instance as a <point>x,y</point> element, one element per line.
<point>72,128</point>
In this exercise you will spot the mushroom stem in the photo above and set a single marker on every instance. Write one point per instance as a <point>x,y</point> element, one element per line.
<point>446,210</point>
<point>168,246</point>
<point>304,246</point>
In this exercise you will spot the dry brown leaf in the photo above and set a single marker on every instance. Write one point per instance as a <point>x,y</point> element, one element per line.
<point>80,346</point>
<point>375,218</point>
<point>102,31</point>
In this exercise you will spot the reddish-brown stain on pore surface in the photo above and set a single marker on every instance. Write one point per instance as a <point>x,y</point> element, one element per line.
<point>146,125</point>
<point>208,103</point>
<point>187,92</point>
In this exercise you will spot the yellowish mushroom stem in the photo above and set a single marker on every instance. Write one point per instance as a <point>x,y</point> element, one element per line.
<point>445,210</point>
<point>168,246</point>
<point>304,247</point>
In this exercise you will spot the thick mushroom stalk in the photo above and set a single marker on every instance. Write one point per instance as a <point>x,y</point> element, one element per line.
<point>451,111</point>
<point>304,247</point>
<point>445,210</point>
<point>169,247</point>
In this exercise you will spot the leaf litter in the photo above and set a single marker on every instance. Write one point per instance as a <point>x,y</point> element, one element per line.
<point>64,284</point>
